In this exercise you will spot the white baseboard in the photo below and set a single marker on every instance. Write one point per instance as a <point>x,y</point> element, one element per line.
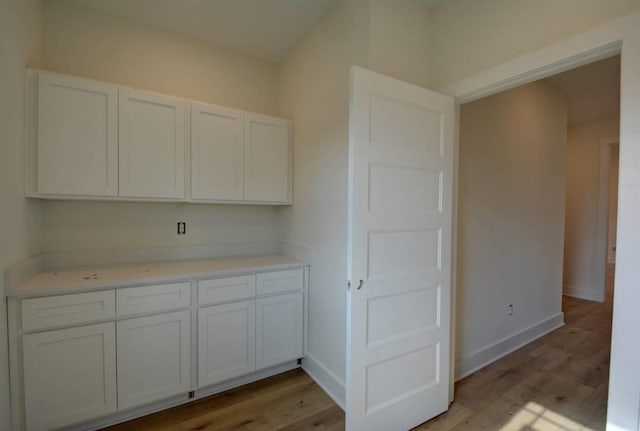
<point>472,363</point>
<point>329,382</point>
<point>584,293</point>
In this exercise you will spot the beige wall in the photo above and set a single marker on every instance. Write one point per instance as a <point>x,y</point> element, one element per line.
<point>20,30</point>
<point>470,36</point>
<point>398,40</point>
<point>85,43</point>
<point>612,228</point>
<point>81,42</point>
<point>511,217</point>
<point>583,183</point>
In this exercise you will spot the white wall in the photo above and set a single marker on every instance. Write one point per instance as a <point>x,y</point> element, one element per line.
<point>81,42</point>
<point>20,31</point>
<point>470,36</point>
<point>510,220</point>
<point>581,266</point>
<point>314,92</point>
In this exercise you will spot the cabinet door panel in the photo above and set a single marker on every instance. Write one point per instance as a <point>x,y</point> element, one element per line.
<point>153,358</point>
<point>267,159</point>
<point>226,342</point>
<point>278,329</point>
<point>69,375</point>
<point>151,145</point>
<point>217,153</point>
<point>77,136</point>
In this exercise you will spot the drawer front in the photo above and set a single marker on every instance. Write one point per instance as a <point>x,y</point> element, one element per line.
<point>160,297</point>
<point>226,289</point>
<point>280,281</point>
<point>47,312</point>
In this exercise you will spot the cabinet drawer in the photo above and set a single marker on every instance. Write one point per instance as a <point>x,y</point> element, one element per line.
<point>281,281</point>
<point>226,289</point>
<point>145,299</point>
<point>47,312</point>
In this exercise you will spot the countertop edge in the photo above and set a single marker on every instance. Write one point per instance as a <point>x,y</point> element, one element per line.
<point>21,293</point>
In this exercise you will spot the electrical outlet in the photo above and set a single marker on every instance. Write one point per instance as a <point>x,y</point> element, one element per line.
<point>182,228</point>
<point>510,309</point>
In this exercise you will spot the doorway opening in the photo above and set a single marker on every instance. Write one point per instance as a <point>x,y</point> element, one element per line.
<point>530,208</point>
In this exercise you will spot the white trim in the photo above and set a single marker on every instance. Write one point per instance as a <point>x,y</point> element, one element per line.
<point>480,359</point>
<point>602,244</point>
<point>329,382</point>
<point>464,95</point>
<point>588,293</point>
<point>454,250</point>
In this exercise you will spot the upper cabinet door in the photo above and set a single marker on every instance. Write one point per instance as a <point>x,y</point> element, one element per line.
<point>152,145</point>
<point>267,159</point>
<point>76,145</point>
<point>217,153</point>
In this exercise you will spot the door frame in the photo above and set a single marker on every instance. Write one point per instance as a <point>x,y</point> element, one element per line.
<point>617,37</point>
<point>602,250</point>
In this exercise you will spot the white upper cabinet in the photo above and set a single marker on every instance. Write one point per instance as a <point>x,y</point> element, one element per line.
<point>75,146</point>
<point>151,145</point>
<point>91,140</point>
<point>217,153</point>
<point>268,159</point>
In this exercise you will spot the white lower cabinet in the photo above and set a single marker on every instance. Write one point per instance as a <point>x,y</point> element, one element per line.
<point>278,329</point>
<point>226,342</point>
<point>77,371</point>
<point>69,375</point>
<point>153,358</point>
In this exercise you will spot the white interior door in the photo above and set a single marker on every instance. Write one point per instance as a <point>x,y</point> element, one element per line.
<point>400,187</point>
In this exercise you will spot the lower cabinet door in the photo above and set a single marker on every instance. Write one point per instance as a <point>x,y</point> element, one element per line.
<point>278,329</point>
<point>226,342</point>
<point>69,375</point>
<point>153,358</point>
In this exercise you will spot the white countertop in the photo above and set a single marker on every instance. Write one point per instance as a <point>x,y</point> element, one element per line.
<point>112,276</point>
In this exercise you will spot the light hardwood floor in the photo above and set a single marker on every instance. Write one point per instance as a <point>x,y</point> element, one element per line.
<point>558,382</point>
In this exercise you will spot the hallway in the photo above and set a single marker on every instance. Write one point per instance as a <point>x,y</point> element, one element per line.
<point>558,382</point>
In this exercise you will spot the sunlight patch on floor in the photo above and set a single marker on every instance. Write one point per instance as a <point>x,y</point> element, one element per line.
<point>534,417</point>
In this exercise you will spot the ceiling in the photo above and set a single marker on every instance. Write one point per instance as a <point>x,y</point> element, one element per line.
<point>593,91</point>
<point>267,30</point>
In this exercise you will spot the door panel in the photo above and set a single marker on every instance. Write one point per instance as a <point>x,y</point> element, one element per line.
<point>400,176</point>
<point>267,159</point>
<point>217,153</point>
<point>151,144</point>
<point>69,375</point>
<point>278,329</point>
<point>77,136</point>
<point>226,342</point>
<point>153,358</point>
